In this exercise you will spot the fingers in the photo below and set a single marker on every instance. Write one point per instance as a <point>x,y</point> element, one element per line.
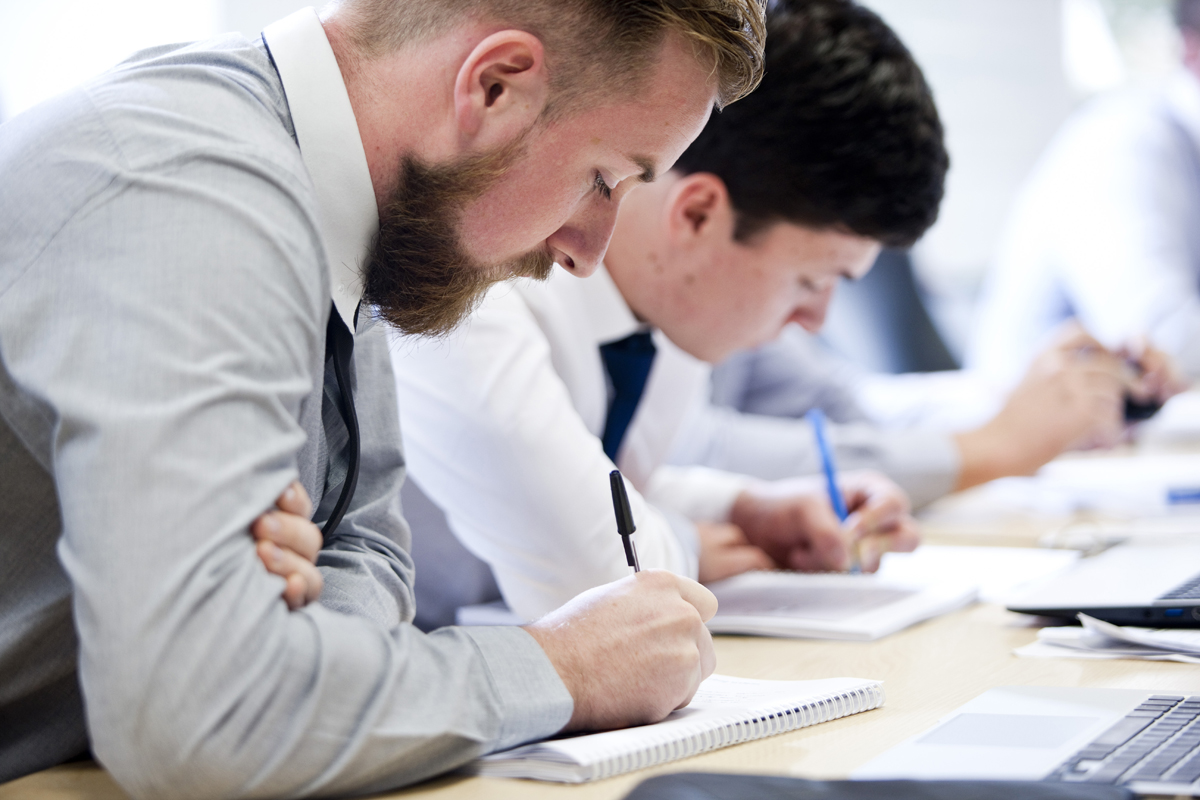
<point>290,532</point>
<point>725,552</point>
<point>1161,377</point>
<point>732,561</point>
<point>1071,335</point>
<point>698,596</point>
<point>903,538</point>
<point>294,500</point>
<point>303,579</point>
<point>288,544</point>
<point>878,504</point>
<point>708,658</point>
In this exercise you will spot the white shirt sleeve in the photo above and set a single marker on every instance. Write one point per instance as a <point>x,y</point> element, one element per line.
<point>492,436</point>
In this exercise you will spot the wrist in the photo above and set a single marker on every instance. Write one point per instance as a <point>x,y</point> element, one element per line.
<point>990,452</point>
<point>561,654</point>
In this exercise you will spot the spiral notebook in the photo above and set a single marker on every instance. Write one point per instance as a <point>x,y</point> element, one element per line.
<point>724,711</point>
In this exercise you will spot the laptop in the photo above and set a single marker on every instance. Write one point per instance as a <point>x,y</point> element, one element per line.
<point>1153,586</point>
<point>1148,742</point>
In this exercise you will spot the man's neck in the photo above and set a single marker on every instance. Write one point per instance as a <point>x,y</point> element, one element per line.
<point>403,101</point>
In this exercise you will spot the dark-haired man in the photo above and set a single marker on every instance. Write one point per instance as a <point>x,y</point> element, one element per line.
<point>520,416</point>
<point>184,244</point>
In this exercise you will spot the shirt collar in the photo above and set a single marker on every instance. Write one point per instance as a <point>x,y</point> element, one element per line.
<point>332,149</point>
<point>608,314</point>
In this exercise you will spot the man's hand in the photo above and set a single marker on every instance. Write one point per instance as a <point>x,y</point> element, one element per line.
<point>1160,378</point>
<point>1071,397</point>
<point>725,552</point>
<point>288,543</point>
<point>632,651</point>
<point>794,523</point>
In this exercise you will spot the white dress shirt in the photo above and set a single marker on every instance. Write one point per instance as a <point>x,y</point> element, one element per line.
<point>502,426</point>
<point>332,149</point>
<point>1107,230</point>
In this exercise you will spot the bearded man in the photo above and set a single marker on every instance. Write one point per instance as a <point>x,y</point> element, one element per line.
<point>196,251</point>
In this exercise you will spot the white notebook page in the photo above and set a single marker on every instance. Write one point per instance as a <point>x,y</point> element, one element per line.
<point>724,711</point>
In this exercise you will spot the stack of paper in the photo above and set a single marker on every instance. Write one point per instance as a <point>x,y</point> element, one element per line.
<point>1098,639</point>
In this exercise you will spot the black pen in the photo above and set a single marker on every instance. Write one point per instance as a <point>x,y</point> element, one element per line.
<point>624,514</point>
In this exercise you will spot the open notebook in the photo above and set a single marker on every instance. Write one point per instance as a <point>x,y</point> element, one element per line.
<point>830,606</point>
<point>724,711</point>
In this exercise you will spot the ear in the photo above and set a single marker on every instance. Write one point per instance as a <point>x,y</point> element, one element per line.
<point>501,88</point>
<point>698,209</point>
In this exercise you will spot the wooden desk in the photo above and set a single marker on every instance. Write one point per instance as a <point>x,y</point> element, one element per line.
<point>927,671</point>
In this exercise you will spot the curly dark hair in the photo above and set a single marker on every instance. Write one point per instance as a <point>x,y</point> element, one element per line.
<point>841,133</point>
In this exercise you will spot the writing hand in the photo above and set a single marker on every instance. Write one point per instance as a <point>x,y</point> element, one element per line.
<point>632,651</point>
<point>880,518</point>
<point>288,543</point>
<point>1072,396</point>
<point>1159,377</point>
<point>794,523</point>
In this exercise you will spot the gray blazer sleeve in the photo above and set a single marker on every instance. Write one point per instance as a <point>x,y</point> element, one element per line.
<point>166,331</point>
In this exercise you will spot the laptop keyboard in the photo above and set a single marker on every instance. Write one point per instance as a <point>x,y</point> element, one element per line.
<point>1189,590</point>
<point>1159,741</point>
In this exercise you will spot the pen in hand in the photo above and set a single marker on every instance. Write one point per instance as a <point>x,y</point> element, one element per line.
<point>816,418</point>
<point>625,525</point>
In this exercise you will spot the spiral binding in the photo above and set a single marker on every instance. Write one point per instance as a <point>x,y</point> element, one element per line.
<point>703,738</point>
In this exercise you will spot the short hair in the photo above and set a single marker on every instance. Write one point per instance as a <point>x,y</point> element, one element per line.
<point>842,133</point>
<point>593,46</point>
<point>1187,15</point>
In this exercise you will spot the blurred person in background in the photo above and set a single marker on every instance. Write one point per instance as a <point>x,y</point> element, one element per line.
<point>1107,230</point>
<point>932,433</point>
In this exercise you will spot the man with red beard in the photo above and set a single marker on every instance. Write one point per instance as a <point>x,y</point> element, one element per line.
<point>199,251</point>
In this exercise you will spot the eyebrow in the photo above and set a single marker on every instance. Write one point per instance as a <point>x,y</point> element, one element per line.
<point>649,174</point>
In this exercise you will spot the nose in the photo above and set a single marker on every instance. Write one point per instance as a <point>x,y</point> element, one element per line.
<point>579,245</point>
<point>810,315</point>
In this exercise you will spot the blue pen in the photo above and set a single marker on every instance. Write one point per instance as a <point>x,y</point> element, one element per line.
<point>816,418</point>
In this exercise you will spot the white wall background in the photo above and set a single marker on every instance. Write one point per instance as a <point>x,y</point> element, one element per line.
<point>47,46</point>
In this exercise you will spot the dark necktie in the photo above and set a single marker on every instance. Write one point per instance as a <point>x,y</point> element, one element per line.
<point>343,449</point>
<point>628,362</point>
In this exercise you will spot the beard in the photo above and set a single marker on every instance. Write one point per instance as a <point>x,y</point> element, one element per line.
<point>418,275</point>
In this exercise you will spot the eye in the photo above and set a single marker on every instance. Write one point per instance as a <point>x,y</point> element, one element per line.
<point>601,186</point>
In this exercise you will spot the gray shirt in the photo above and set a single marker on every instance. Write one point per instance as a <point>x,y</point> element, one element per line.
<point>754,424</point>
<point>163,300</point>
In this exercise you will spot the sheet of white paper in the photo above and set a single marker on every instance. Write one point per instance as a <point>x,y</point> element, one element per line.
<point>1101,640</point>
<point>1042,649</point>
<point>998,571</point>
<point>1170,639</point>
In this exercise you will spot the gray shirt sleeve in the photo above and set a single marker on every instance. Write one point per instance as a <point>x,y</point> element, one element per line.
<point>924,463</point>
<point>162,320</point>
<point>753,425</point>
